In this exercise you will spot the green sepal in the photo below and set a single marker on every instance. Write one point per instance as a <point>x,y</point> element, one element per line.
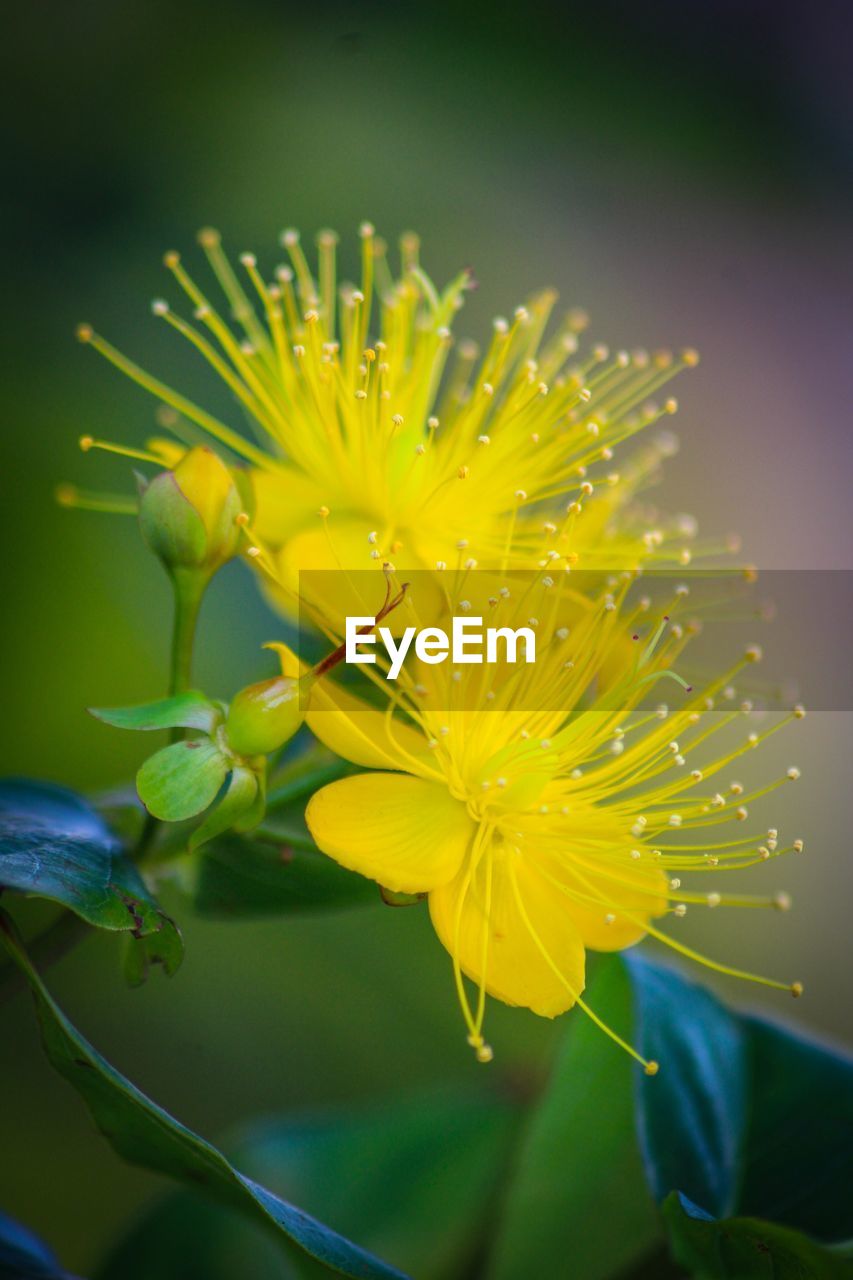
<point>190,710</point>
<point>392,898</point>
<point>240,796</point>
<point>170,523</point>
<point>180,781</point>
<point>256,811</point>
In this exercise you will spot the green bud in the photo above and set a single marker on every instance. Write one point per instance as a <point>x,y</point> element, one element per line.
<point>262,717</point>
<point>188,515</point>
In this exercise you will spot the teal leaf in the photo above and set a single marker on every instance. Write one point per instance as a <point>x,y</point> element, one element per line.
<point>190,710</point>
<point>414,1178</point>
<point>798,1166</point>
<point>23,1256</point>
<point>145,1134</point>
<point>236,876</point>
<point>579,1193</point>
<point>239,797</point>
<point>691,1118</point>
<point>180,781</point>
<point>745,1248</point>
<point>54,845</point>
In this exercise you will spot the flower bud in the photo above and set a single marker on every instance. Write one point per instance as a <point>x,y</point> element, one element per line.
<point>188,515</point>
<point>262,717</point>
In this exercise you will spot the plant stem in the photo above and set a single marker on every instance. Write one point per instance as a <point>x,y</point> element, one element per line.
<point>189,587</point>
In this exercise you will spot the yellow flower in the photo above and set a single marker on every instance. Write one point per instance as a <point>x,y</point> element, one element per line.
<point>546,809</point>
<point>376,437</point>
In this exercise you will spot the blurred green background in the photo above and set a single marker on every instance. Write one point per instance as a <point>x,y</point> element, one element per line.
<point>678,170</point>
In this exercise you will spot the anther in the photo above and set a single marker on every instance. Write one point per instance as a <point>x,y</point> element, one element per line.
<point>796,990</point>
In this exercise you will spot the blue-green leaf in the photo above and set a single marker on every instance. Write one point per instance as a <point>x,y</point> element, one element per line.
<point>691,1117</point>
<point>54,845</point>
<point>190,710</point>
<point>798,1165</point>
<point>746,1248</point>
<point>744,1117</point>
<point>145,1134</point>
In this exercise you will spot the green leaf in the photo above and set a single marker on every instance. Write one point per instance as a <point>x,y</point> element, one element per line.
<point>239,797</point>
<point>304,775</point>
<point>180,781</point>
<point>691,1118</point>
<point>190,710</point>
<point>236,876</point>
<point>579,1193</point>
<point>54,845</point>
<point>23,1256</point>
<point>145,1134</point>
<point>414,1178</point>
<point>746,1248</point>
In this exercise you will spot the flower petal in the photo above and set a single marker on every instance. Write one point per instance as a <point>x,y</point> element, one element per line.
<point>511,930</point>
<point>610,902</point>
<point>285,501</point>
<point>408,834</point>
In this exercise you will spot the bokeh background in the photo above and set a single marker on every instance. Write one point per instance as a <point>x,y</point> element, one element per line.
<point>677,169</point>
